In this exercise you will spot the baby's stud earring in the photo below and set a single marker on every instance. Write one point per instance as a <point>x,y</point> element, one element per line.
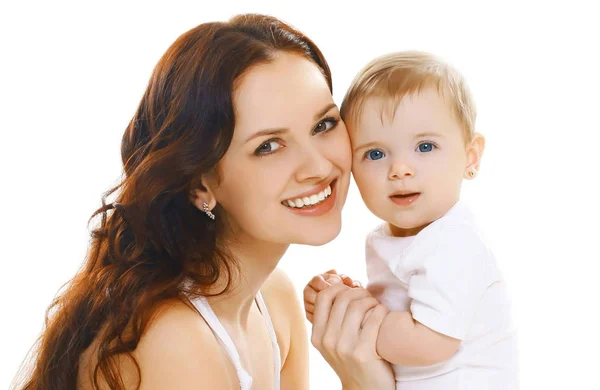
<point>472,173</point>
<point>207,211</point>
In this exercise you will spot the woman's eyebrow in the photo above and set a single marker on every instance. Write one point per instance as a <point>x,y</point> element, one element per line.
<point>282,130</point>
<point>276,131</point>
<point>324,110</point>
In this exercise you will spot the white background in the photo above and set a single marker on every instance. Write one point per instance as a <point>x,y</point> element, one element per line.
<point>72,75</point>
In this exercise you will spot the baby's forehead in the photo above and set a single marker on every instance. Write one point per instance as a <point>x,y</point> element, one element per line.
<point>383,109</point>
<point>419,113</point>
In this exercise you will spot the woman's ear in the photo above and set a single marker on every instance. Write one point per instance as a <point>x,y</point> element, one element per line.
<point>203,196</point>
<point>474,152</point>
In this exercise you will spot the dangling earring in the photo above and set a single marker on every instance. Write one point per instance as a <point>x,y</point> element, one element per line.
<point>207,211</point>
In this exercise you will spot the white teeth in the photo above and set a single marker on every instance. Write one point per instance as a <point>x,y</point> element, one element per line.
<point>308,200</point>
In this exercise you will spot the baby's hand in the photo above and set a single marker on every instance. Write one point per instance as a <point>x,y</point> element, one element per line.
<point>321,282</point>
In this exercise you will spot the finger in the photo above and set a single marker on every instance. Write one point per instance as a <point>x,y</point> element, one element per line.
<point>309,307</point>
<point>325,299</point>
<point>349,332</point>
<point>355,316</point>
<point>366,318</point>
<point>309,317</point>
<point>370,330</point>
<point>332,279</point>
<point>347,280</point>
<point>321,312</point>
<point>344,278</point>
<point>339,308</point>
<point>310,294</point>
<point>317,283</point>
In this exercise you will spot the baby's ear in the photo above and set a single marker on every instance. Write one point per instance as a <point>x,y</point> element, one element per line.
<point>474,152</point>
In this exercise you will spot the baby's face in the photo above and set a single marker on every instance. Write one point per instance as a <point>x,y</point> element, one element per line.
<point>408,168</point>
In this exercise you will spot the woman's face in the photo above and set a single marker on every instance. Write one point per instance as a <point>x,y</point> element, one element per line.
<point>285,177</point>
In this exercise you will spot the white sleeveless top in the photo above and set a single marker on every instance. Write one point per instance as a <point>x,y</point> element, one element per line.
<point>213,322</point>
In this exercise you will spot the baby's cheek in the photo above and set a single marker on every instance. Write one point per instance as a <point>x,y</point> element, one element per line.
<point>359,178</point>
<point>367,179</point>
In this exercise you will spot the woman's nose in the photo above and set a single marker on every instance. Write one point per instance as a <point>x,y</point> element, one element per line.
<point>315,165</point>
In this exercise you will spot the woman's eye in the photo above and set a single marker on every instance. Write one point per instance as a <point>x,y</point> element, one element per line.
<point>426,147</point>
<point>325,125</point>
<point>374,154</point>
<point>267,147</point>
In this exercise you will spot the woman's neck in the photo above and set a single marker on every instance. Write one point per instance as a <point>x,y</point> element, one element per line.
<point>256,261</point>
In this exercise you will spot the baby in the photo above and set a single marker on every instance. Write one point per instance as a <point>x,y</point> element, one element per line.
<point>411,122</point>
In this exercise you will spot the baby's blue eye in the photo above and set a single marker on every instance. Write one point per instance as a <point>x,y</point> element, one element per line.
<point>426,147</point>
<point>374,154</point>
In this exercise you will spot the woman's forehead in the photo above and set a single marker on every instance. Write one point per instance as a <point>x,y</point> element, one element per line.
<point>271,95</point>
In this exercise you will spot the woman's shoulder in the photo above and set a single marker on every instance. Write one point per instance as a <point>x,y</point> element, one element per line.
<point>179,350</point>
<point>172,322</point>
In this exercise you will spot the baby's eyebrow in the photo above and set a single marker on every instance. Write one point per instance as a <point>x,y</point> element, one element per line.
<point>364,146</point>
<point>428,134</point>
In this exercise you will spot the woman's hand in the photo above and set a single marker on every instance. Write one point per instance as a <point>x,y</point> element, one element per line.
<point>319,283</point>
<point>347,337</point>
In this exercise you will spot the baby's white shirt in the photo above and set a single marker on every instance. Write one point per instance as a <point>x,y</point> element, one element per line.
<point>447,278</point>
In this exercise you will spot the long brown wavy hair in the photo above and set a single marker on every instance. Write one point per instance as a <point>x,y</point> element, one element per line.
<point>150,243</point>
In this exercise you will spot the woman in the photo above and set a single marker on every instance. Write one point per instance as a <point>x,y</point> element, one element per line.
<point>235,152</point>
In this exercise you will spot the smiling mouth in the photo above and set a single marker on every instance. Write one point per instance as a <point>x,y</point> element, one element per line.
<point>309,201</point>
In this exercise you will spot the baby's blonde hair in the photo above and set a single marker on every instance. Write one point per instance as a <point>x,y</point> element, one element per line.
<point>399,74</point>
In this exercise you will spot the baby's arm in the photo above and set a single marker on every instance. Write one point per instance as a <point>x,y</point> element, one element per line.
<point>401,339</point>
<point>444,293</point>
<point>407,342</point>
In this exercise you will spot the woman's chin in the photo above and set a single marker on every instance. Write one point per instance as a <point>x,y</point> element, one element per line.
<point>318,237</point>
